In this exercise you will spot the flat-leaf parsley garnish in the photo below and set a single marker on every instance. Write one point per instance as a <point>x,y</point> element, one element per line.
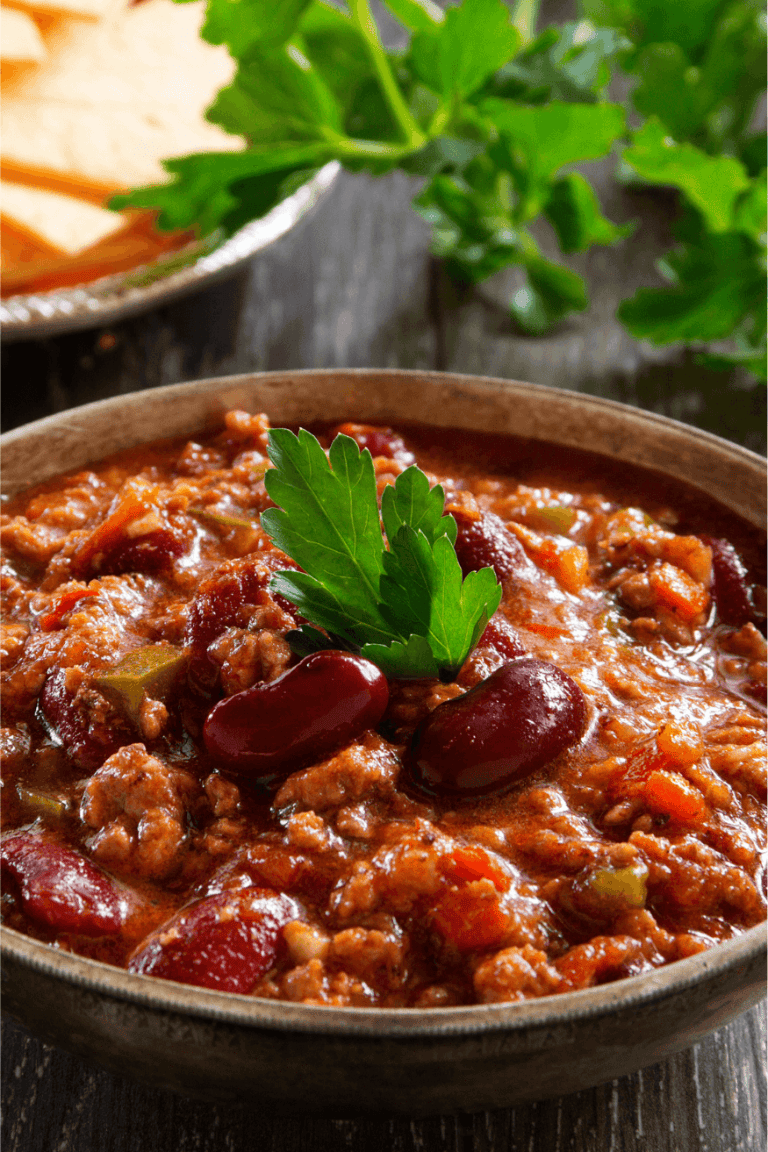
<point>406,607</point>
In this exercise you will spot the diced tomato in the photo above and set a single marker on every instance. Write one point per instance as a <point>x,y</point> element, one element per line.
<point>628,781</point>
<point>567,562</point>
<point>681,743</point>
<point>471,917</point>
<point>572,568</point>
<point>134,502</point>
<point>548,631</point>
<point>470,863</point>
<point>667,793</point>
<point>676,590</point>
<point>63,605</point>
<point>601,960</point>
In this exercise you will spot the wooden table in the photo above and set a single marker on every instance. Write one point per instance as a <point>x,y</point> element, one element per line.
<point>355,286</point>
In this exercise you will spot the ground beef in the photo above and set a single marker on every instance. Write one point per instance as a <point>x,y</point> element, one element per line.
<point>137,807</point>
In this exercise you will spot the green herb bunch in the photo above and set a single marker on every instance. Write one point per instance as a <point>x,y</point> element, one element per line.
<point>494,118</point>
<point>406,607</point>
<point>701,71</point>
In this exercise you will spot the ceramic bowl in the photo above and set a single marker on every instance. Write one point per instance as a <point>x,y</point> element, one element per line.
<point>356,1060</point>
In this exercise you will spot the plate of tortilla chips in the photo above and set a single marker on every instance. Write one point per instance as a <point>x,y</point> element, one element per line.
<point>95,94</point>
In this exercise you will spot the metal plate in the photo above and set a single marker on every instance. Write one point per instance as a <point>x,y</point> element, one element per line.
<point>116,297</point>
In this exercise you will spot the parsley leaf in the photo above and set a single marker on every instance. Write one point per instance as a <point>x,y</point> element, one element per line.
<point>717,291</point>
<point>570,64</point>
<point>458,55</point>
<point>407,608</point>
<point>717,270</point>
<point>711,183</point>
<point>241,23</point>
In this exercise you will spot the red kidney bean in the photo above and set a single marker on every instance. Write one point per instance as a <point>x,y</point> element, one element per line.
<point>229,599</point>
<point>730,588</point>
<point>378,441</point>
<point>61,890</point>
<point>485,542</point>
<point>500,637</point>
<point>519,718</point>
<point>149,554</point>
<point>757,690</point>
<point>326,700</point>
<point>86,740</point>
<point>226,941</point>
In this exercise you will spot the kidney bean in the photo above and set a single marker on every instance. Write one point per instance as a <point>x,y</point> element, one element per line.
<point>501,638</point>
<point>87,740</point>
<point>485,542</point>
<point>149,554</point>
<point>61,890</point>
<point>323,702</point>
<point>378,441</point>
<point>518,719</point>
<point>229,599</point>
<point>757,690</point>
<point>225,942</point>
<point>730,588</point>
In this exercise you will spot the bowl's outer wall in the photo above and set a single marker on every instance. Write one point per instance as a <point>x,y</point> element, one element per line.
<point>506,1054</point>
<point>355,1073</point>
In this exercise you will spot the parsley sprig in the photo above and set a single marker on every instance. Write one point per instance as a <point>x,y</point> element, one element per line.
<point>405,607</point>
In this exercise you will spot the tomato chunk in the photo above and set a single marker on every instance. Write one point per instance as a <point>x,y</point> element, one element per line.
<point>471,917</point>
<point>65,603</point>
<point>671,795</point>
<point>226,942</point>
<point>676,590</point>
<point>471,863</point>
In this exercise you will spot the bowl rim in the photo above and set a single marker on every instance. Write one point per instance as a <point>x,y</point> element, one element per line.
<point>546,1012</point>
<point>415,1024</point>
<point>210,384</point>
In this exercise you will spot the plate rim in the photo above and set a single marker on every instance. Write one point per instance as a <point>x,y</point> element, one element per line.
<point>112,298</point>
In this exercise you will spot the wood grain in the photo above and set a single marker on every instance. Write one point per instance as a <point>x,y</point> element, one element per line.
<point>707,1099</point>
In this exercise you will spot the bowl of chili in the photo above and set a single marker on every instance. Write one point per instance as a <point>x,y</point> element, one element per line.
<point>413,929</point>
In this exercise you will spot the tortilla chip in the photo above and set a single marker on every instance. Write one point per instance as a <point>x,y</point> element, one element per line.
<point>82,9</point>
<point>28,269</point>
<point>118,96</point>
<point>17,249</point>
<point>20,39</point>
<point>60,223</point>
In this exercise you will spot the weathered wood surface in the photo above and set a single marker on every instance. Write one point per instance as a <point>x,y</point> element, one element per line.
<point>355,286</point>
<point>708,1099</point>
